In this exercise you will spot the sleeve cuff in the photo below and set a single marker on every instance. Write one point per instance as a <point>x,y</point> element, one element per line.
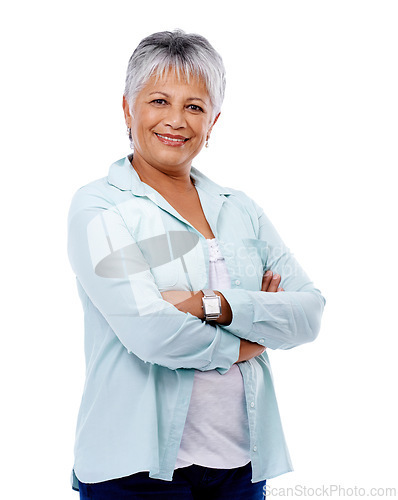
<point>242,312</point>
<point>229,349</point>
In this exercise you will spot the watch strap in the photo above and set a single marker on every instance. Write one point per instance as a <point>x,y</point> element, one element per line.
<point>209,294</point>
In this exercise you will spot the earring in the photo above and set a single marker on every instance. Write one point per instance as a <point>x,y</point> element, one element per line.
<point>207,143</point>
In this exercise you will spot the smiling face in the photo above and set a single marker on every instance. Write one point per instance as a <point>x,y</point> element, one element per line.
<point>171,120</point>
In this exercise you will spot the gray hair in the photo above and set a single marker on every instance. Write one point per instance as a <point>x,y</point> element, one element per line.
<point>187,54</point>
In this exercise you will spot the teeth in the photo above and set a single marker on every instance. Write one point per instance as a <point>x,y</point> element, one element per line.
<point>170,139</point>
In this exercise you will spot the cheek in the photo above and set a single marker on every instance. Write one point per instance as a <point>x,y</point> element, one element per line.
<point>201,129</point>
<point>142,129</point>
<point>145,119</point>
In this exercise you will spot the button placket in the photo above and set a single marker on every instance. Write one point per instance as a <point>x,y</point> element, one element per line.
<point>251,405</point>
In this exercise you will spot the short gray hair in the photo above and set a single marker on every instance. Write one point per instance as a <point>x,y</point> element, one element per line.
<point>187,53</point>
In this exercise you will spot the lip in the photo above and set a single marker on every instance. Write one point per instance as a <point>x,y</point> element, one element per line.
<point>172,140</point>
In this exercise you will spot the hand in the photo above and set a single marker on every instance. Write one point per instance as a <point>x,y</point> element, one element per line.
<point>271,282</point>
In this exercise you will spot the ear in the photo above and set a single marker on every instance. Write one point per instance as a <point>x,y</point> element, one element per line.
<point>211,128</point>
<point>126,109</point>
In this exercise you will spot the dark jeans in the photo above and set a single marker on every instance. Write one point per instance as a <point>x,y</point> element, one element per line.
<point>189,483</point>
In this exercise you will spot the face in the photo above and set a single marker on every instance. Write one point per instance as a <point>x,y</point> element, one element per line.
<point>170,122</point>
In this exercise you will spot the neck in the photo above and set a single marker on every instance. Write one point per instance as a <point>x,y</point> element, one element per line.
<point>162,178</point>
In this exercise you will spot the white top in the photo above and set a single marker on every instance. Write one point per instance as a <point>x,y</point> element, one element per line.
<point>216,432</point>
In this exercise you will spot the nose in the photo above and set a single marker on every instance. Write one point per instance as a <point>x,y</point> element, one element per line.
<point>175,117</point>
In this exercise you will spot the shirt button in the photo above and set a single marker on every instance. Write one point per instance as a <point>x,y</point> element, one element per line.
<point>254,448</point>
<point>237,282</point>
<point>252,404</point>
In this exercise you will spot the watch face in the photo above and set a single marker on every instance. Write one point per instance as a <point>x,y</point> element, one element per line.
<point>212,305</point>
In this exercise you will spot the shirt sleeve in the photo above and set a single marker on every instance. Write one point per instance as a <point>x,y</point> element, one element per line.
<point>112,270</point>
<point>280,320</point>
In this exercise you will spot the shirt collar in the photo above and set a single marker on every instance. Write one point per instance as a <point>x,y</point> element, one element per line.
<point>123,176</point>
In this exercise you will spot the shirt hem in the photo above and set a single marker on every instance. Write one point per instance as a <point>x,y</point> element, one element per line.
<point>272,476</point>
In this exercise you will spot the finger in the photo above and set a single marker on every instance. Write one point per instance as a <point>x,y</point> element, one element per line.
<point>280,289</point>
<point>266,281</point>
<point>273,287</point>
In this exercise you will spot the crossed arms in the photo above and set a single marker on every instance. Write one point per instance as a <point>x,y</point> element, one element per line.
<point>153,329</point>
<point>191,302</point>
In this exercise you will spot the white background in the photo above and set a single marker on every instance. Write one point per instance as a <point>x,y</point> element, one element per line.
<point>308,129</point>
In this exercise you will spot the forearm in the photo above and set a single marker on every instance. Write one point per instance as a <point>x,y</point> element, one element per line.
<point>261,318</point>
<point>191,302</point>
<point>193,305</point>
<point>279,321</point>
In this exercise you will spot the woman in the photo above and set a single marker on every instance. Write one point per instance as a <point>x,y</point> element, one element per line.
<point>180,284</point>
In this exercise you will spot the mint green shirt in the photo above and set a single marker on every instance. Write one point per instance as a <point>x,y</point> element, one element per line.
<point>126,244</point>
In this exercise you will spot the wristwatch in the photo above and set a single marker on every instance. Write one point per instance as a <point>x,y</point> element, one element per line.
<point>211,305</point>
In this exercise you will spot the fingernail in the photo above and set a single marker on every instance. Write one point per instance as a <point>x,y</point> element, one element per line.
<point>276,276</point>
<point>268,273</point>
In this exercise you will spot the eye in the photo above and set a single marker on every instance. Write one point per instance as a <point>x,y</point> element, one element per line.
<point>159,102</point>
<point>195,107</point>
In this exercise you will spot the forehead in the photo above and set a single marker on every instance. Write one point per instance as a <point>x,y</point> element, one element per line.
<point>175,84</point>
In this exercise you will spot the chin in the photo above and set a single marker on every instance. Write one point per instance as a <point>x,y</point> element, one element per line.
<point>173,158</point>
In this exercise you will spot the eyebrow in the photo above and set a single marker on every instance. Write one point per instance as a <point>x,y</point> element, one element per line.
<point>189,98</point>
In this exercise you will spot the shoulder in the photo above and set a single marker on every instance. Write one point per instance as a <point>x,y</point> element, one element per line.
<point>105,192</point>
<point>97,193</point>
<point>95,198</point>
<point>245,202</point>
<point>234,195</point>
<point>236,200</point>
<point>95,186</point>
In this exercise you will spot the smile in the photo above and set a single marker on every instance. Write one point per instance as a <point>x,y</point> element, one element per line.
<point>172,140</point>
